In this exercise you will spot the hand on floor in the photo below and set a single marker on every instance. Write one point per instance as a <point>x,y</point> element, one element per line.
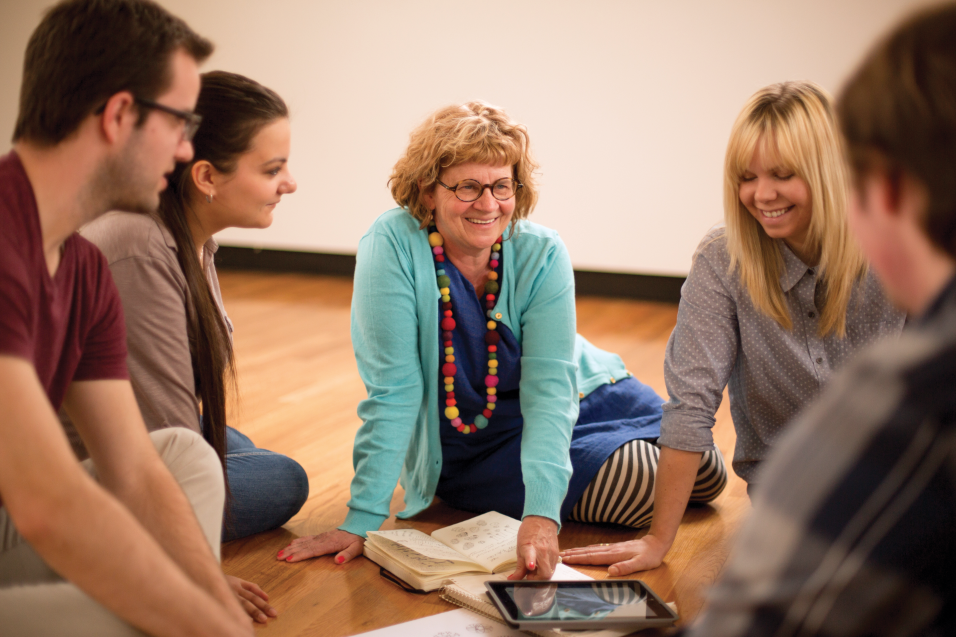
<point>623,557</point>
<point>347,545</point>
<point>252,599</point>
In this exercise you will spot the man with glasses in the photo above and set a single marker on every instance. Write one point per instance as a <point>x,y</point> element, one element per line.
<point>113,546</point>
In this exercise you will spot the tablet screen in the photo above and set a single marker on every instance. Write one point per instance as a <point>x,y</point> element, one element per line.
<point>574,601</point>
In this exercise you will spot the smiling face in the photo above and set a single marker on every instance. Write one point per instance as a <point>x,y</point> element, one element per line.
<point>777,198</point>
<point>246,197</point>
<point>470,227</point>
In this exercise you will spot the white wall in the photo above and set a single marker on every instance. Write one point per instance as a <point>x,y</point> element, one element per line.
<point>629,102</point>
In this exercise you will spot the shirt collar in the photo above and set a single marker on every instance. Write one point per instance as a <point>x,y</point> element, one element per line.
<point>794,268</point>
<point>210,246</point>
<point>946,298</point>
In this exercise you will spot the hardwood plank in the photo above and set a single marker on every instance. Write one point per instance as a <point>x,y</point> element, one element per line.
<point>298,392</point>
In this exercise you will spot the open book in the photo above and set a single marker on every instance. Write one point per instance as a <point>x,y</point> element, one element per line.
<point>485,544</point>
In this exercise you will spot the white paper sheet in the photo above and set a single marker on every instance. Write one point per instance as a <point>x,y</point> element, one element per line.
<point>454,623</point>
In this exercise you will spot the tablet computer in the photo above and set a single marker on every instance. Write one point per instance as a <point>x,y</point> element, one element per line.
<point>579,605</point>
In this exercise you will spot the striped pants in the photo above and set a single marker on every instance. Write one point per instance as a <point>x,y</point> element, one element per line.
<point>622,492</point>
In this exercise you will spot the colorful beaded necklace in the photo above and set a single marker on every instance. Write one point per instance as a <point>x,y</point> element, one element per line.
<point>435,240</point>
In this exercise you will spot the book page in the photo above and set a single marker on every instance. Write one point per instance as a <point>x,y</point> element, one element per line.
<point>490,539</point>
<point>420,552</point>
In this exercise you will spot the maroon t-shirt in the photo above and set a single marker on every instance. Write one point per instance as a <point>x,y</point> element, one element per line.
<point>70,326</point>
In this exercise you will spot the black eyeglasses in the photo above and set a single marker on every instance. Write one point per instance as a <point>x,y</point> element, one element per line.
<point>470,190</point>
<point>192,120</point>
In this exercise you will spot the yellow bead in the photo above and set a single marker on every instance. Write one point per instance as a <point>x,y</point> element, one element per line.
<point>449,350</point>
<point>449,359</point>
<point>451,413</point>
<point>466,430</point>
<point>435,240</point>
<point>449,380</point>
<point>444,291</point>
<point>496,247</point>
<point>490,406</point>
<point>492,325</point>
<point>491,391</point>
<point>492,363</point>
<point>493,276</point>
<point>446,298</point>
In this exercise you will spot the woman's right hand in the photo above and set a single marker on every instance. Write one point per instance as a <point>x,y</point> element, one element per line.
<point>623,557</point>
<point>346,545</point>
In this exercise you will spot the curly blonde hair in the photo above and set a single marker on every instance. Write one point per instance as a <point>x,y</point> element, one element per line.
<point>454,135</point>
<point>796,122</point>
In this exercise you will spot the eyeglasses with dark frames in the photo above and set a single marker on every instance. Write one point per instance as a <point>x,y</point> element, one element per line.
<point>191,120</point>
<point>469,190</point>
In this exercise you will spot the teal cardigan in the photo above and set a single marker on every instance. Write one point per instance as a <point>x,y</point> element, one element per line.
<point>395,336</point>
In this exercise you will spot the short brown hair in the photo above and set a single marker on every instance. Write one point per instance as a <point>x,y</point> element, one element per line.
<point>898,113</point>
<point>84,51</point>
<point>454,135</point>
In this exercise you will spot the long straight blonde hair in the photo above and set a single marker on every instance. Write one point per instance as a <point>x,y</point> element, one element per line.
<point>794,121</point>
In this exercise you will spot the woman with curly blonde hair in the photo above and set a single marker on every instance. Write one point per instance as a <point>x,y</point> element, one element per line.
<point>479,390</point>
<point>774,303</point>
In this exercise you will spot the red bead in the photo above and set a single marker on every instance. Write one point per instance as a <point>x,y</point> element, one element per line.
<point>490,304</point>
<point>450,395</point>
<point>440,258</point>
<point>448,324</point>
<point>447,343</point>
<point>448,369</point>
<point>491,398</point>
<point>494,263</point>
<point>501,239</point>
<point>490,297</point>
<point>491,381</point>
<point>486,413</point>
<point>446,306</point>
<point>492,348</point>
<point>491,338</point>
<point>446,336</point>
<point>451,402</point>
<point>448,313</point>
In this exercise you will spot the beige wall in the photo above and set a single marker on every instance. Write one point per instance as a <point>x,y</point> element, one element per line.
<point>629,102</point>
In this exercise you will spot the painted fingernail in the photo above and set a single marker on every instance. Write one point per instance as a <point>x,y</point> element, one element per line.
<point>531,566</point>
<point>339,559</point>
<point>288,559</point>
<point>279,555</point>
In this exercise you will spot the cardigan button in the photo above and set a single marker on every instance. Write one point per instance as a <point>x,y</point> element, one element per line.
<point>581,395</point>
<point>612,380</point>
<point>498,315</point>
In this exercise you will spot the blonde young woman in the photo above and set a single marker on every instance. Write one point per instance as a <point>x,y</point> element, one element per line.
<point>775,301</point>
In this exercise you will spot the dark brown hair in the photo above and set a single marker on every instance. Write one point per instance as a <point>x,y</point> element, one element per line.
<point>898,113</point>
<point>234,109</point>
<point>85,51</point>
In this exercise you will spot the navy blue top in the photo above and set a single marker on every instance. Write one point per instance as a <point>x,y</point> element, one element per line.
<point>481,471</point>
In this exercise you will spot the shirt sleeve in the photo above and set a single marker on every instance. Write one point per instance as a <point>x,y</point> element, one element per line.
<point>160,363</point>
<point>385,340</point>
<point>15,299</point>
<point>104,345</point>
<point>548,386</point>
<point>701,354</point>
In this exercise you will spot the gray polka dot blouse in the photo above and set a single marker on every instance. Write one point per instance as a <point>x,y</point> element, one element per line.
<point>722,340</point>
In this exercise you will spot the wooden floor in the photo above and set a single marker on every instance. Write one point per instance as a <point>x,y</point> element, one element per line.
<point>299,388</point>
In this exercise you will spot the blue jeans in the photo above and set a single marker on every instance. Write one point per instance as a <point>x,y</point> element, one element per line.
<point>265,488</point>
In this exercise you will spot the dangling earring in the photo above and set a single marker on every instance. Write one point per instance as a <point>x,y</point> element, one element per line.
<point>208,198</point>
